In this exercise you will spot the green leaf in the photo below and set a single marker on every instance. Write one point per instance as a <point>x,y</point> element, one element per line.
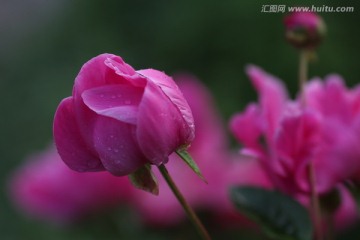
<point>144,179</point>
<point>185,156</point>
<point>280,216</point>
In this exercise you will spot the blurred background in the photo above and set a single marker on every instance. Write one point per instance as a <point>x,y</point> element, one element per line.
<point>43,44</point>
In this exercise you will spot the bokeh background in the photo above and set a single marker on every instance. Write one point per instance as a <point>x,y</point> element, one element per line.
<point>43,44</point>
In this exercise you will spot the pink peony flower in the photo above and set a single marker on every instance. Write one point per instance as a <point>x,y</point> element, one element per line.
<point>286,137</point>
<point>119,119</point>
<point>45,188</point>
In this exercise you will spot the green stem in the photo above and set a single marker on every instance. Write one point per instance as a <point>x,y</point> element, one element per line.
<point>191,214</point>
<point>303,70</point>
<point>315,203</point>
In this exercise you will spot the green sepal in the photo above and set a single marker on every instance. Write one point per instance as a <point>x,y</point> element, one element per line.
<point>185,156</point>
<point>144,179</point>
<point>280,216</point>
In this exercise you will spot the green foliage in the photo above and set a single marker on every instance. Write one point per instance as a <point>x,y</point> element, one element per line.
<point>280,216</point>
<point>144,179</point>
<point>186,157</point>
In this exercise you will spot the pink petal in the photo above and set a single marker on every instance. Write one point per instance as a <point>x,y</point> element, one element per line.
<point>338,98</point>
<point>314,93</point>
<point>116,145</point>
<point>272,94</point>
<point>308,20</point>
<point>105,69</point>
<point>172,91</point>
<point>117,63</point>
<point>347,214</point>
<point>161,128</point>
<point>69,141</point>
<point>116,101</point>
<point>297,144</point>
<point>332,99</point>
<point>355,101</point>
<point>340,159</point>
<point>86,119</point>
<point>246,127</point>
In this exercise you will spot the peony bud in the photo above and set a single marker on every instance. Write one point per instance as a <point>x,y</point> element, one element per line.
<point>304,30</point>
<point>119,119</point>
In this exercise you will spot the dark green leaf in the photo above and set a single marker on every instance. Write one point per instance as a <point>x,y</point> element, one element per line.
<point>280,216</point>
<point>144,179</point>
<point>185,156</point>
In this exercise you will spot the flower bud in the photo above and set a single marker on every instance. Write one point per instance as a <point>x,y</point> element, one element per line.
<point>304,30</point>
<point>119,119</point>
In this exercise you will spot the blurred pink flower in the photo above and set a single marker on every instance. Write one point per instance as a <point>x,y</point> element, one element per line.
<point>285,136</point>
<point>119,119</point>
<point>211,152</point>
<point>45,188</point>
